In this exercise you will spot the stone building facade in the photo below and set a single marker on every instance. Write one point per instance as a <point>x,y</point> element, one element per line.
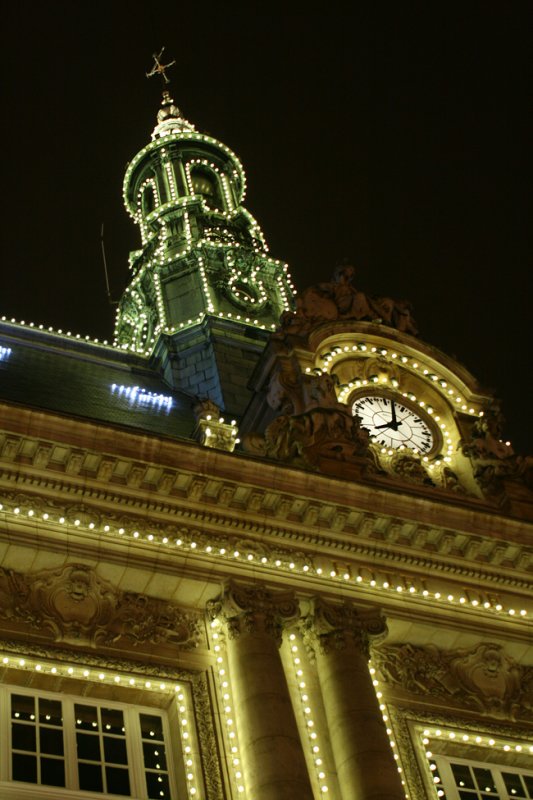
<point>256,548</point>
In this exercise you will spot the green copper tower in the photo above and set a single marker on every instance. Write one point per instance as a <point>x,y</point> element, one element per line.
<point>204,292</point>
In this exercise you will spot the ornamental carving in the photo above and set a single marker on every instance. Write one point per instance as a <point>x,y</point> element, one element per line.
<point>313,430</point>
<point>340,300</point>
<point>483,679</point>
<point>494,461</point>
<point>253,609</point>
<point>75,606</point>
<point>211,430</point>
<point>334,627</point>
<point>409,467</point>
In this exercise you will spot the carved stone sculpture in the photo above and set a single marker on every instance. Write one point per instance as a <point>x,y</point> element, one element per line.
<point>339,300</point>
<point>313,428</point>
<point>494,460</point>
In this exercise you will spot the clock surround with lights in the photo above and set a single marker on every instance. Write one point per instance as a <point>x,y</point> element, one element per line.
<point>395,423</point>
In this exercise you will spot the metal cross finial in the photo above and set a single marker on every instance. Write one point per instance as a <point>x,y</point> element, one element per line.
<point>159,68</point>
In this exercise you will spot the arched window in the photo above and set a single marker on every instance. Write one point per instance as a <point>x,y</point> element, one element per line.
<point>149,199</point>
<point>206,184</point>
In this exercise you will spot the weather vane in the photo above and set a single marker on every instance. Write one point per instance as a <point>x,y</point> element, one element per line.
<point>159,68</point>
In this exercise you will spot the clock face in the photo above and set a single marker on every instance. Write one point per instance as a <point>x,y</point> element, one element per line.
<point>391,423</point>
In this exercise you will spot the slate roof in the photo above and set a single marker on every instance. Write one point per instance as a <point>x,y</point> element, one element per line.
<point>57,373</point>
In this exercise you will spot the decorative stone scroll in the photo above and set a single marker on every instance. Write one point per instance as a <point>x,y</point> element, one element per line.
<point>249,608</point>
<point>75,605</point>
<point>483,678</point>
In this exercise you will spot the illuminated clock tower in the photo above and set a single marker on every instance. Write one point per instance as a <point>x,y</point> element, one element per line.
<point>204,292</point>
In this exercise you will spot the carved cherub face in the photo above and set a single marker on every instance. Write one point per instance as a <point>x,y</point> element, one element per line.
<point>492,661</point>
<point>78,586</point>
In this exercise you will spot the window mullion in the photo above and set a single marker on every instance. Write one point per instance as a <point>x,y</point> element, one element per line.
<point>135,754</point>
<point>5,735</point>
<point>69,739</point>
<point>447,779</point>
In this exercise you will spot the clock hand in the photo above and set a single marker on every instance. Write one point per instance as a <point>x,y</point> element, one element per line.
<point>393,409</point>
<point>392,424</point>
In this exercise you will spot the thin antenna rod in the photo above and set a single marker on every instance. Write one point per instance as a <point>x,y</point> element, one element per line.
<point>111,301</point>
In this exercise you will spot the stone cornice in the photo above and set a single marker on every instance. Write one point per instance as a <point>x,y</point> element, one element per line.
<point>103,479</point>
<point>212,554</point>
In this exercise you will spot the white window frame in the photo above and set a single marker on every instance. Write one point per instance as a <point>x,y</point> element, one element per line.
<point>444,770</point>
<point>18,790</point>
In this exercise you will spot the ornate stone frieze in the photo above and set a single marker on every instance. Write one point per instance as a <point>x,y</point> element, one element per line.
<point>74,605</point>
<point>483,679</point>
<point>333,627</point>
<point>246,609</point>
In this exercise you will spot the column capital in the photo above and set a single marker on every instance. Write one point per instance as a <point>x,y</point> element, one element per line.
<point>329,627</point>
<point>253,608</point>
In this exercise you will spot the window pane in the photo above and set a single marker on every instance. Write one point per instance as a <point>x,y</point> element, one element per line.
<point>513,784</point>
<point>154,756</point>
<point>24,768</point>
<point>151,727</point>
<point>462,775</point>
<point>51,741</point>
<point>50,712</point>
<point>484,780</point>
<point>113,721</point>
<point>115,750</point>
<point>118,780</point>
<point>90,776</point>
<point>22,707</point>
<point>23,737</point>
<point>529,785</point>
<point>157,786</point>
<point>86,717</point>
<point>53,771</point>
<point>88,746</point>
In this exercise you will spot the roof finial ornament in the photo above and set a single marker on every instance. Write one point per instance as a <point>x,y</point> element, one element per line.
<point>170,120</point>
<point>160,68</point>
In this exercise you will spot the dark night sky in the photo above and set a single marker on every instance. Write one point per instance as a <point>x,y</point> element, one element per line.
<point>394,135</point>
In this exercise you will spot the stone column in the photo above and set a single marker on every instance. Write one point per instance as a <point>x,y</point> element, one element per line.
<point>273,762</point>
<point>338,636</point>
